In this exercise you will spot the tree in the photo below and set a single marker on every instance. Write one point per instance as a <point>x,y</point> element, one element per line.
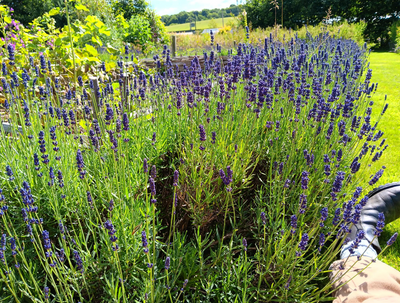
<point>172,20</point>
<point>129,8</point>
<point>27,10</point>
<point>182,17</point>
<point>378,15</point>
<point>261,13</point>
<point>205,12</point>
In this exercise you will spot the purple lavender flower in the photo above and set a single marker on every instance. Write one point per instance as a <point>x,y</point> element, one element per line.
<point>304,179</point>
<point>293,223</point>
<point>176,178</point>
<point>111,205</point>
<point>376,177</point>
<point>227,179</point>
<point>363,201</point>
<point>145,166</point>
<point>46,291</point>
<point>324,216</point>
<point>244,244</point>
<point>109,114</point>
<point>153,190</point>
<point>321,241</point>
<point>184,284</point>
<point>356,214</point>
<point>338,182</point>
<point>89,199</point>
<point>202,133</point>
<point>213,137</point>
<point>13,246</point>
<point>380,224</point>
<point>392,239</point>
<point>303,242</point>
<point>153,172</point>
<point>60,179</point>
<point>61,255</point>
<point>11,52</point>
<point>360,235</point>
<point>385,108</point>
<point>111,232</point>
<point>263,218</point>
<point>167,263</point>
<point>287,285</point>
<point>46,243</point>
<point>78,260</point>
<point>125,122</point>
<point>327,169</point>
<point>9,173</point>
<point>339,155</point>
<point>302,204</point>
<point>80,164</point>
<point>144,242</point>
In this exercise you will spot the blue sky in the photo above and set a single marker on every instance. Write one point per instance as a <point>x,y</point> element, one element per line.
<point>169,7</point>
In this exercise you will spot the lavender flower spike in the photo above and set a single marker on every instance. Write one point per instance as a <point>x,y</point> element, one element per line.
<point>176,178</point>
<point>167,263</point>
<point>144,242</point>
<point>202,133</point>
<point>304,179</point>
<point>392,239</point>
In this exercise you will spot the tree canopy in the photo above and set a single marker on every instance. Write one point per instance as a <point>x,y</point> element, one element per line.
<point>378,15</point>
<point>27,10</point>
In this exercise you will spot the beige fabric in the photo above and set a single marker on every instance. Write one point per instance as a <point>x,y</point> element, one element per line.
<point>376,284</point>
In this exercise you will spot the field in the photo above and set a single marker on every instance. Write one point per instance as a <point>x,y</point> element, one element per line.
<point>200,25</point>
<point>385,68</point>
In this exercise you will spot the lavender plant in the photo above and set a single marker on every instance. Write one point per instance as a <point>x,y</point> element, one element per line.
<point>207,183</point>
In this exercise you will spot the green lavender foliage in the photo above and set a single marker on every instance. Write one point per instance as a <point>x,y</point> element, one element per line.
<point>228,233</point>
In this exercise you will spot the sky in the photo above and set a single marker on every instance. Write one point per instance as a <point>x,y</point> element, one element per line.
<point>169,7</point>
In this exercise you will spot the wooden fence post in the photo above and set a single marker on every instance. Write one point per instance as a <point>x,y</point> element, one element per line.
<point>173,46</point>
<point>95,101</point>
<point>123,88</point>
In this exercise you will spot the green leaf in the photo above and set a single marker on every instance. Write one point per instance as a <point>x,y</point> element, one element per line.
<point>93,59</point>
<point>111,50</point>
<point>81,7</point>
<point>91,50</point>
<point>54,11</point>
<point>7,19</point>
<point>97,41</point>
<point>104,31</point>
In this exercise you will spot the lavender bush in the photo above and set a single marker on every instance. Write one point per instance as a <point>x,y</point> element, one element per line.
<point>211,183</point>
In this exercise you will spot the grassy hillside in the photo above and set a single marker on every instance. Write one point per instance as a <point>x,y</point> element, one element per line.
<point>200,24</point>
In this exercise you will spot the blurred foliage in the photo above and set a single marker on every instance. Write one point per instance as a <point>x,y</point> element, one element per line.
<point>395,36</point>
<point>129,8</point>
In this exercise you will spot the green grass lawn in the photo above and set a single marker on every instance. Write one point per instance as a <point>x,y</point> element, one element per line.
<point>386,72</point>
<point>200,25</point>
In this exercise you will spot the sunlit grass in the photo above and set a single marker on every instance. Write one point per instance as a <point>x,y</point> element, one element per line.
<point>386,67</point>
<point>200,24</point>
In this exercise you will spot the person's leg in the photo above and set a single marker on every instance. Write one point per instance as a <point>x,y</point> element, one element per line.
<point>368,279</point>
<point>376,282</point>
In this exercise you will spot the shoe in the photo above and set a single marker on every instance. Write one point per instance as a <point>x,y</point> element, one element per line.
<point>383,199</point>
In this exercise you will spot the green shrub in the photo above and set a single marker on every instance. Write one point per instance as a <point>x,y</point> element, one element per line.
<point>395,36</point>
